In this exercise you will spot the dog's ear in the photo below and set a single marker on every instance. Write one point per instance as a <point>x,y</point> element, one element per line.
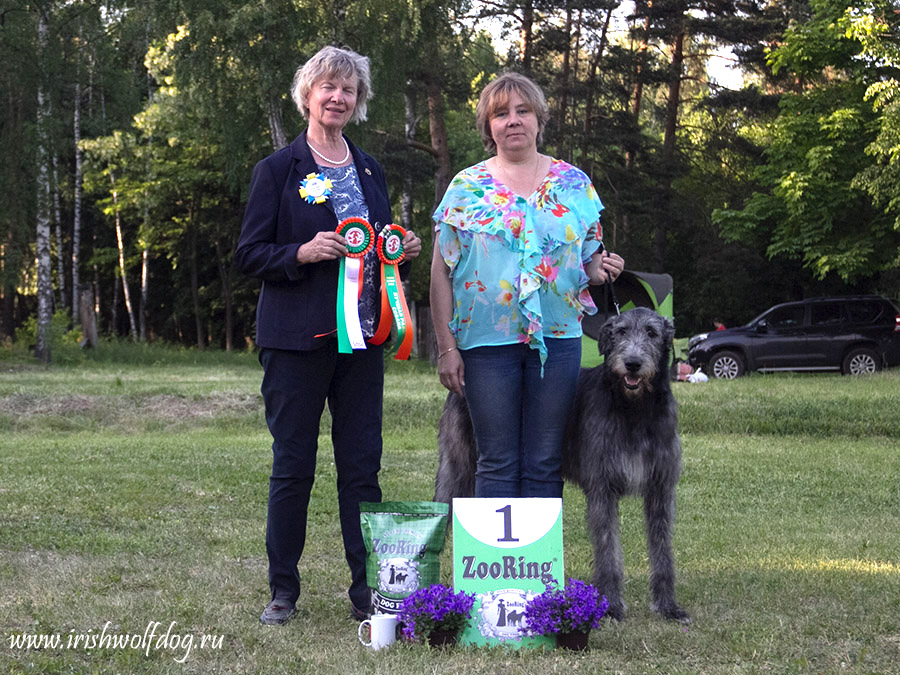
<point>605,339</point>
<point>668,332</point>
<point>668,352</point>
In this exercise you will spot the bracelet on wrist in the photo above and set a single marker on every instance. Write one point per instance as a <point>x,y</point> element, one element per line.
<point>443,354</point>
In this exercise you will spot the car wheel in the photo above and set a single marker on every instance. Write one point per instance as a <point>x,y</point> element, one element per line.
<point>861,361</point>
<point>726,365</point>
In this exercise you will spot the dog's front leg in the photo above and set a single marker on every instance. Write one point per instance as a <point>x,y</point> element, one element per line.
<point>603,525</point>
<point>659,513</point>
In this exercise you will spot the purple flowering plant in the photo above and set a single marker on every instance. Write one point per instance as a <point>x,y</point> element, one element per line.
<point>577,607</point>
<point>433,608</point>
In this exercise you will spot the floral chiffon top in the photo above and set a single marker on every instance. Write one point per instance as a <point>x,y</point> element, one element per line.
<point>517,264</point>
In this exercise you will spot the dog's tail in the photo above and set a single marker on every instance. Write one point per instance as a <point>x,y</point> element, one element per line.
<point>456,452</point>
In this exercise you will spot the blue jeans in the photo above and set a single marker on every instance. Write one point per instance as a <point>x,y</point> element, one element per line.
<point>519,417</point>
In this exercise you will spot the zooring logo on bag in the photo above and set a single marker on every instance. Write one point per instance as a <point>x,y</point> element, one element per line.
<point>404,542</point>
<point>398,575</point>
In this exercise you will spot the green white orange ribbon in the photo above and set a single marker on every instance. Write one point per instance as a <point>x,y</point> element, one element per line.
<point>360,238</point>
<point>393,301</point>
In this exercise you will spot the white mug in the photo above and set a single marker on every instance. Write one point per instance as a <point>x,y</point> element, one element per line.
<point>382,630</point>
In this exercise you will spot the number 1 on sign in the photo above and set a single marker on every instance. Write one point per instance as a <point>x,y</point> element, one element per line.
<point>507,523</point>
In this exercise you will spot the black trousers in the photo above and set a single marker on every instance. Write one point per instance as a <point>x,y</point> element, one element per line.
<point>295,388</point>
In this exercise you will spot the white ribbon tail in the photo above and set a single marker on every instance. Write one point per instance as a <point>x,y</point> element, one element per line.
<point>352,281</point>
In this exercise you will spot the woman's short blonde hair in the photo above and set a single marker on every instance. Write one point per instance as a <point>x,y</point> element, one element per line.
<point>333,62</point>
<point>495,96</point>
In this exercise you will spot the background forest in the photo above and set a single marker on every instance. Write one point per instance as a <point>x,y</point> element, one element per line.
<point>129,131</point>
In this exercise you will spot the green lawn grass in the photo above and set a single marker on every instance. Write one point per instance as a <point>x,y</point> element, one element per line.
<point>133,491</point>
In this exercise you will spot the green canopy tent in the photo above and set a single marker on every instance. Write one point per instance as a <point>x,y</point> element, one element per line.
<point>633,289</point>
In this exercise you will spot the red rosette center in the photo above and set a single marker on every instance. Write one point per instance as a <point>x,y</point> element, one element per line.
<point>359,235</point>
<point>390,245</point>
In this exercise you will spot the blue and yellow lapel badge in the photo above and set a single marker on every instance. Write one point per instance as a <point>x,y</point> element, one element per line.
<point>315,188</point>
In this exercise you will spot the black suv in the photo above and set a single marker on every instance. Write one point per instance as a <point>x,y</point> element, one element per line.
<point>854,334</point>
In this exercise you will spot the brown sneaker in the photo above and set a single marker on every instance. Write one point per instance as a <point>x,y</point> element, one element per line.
<point>276,613</point>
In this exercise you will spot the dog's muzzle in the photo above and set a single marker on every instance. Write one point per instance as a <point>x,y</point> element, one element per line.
<point>632,378</point>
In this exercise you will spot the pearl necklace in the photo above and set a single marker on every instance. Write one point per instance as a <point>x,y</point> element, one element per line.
<point>331,161</point>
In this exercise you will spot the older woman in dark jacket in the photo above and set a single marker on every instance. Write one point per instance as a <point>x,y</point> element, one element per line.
<point>298,196</point>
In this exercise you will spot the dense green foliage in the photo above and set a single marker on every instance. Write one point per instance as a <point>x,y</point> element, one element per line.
<point>824,199</point>
<point>133,490</point>
<point>154,115</point>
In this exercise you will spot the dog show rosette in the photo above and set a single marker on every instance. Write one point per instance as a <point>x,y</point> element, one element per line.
<point>360,238</point>
<point>394,310</point>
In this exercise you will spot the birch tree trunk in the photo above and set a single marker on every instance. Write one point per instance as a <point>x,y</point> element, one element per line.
<point>145,235</point>
<point>120,241</point>
<point>60,243</point>
<point>276,124</point>
<point>145,292</point>
<point>45,287</point>
<point>76,207</point>
<point>406,198</point>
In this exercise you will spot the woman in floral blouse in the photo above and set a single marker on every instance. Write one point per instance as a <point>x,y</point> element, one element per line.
<point>518,242</point>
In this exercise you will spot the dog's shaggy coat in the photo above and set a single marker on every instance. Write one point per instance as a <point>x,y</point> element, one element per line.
<point>622,439</point>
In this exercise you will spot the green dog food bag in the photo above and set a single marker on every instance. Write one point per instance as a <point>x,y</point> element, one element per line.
<point>404,542</point>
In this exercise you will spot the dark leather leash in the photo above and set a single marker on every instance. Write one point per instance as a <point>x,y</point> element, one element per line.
<point>611,293</point>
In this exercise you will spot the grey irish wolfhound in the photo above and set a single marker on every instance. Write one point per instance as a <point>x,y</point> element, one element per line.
<point>622,439</point>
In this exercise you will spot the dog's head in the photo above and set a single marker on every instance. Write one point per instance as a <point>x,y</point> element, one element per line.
<point>636,347</point>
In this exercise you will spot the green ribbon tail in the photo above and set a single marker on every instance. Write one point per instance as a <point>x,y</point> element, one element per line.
<point>392,281</point>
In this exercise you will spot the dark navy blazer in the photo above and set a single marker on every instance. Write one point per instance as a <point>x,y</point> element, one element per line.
<point>297,303</point>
